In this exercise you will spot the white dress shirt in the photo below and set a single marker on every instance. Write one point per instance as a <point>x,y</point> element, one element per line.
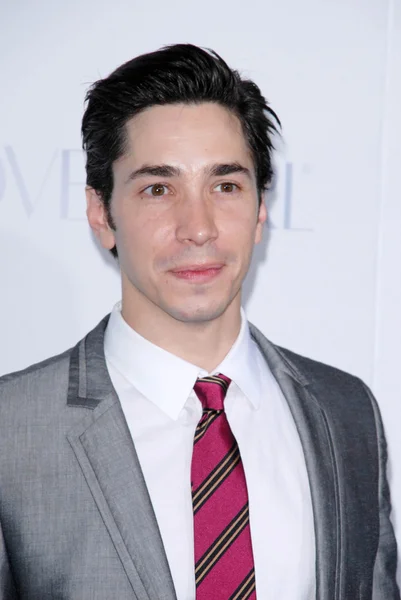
<point>155,388</point>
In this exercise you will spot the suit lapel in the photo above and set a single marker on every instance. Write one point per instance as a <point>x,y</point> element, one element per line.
<point>104,449</point>
<point>314,434</point>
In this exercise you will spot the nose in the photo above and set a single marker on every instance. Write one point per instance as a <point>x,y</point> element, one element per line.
<point>196,222</point>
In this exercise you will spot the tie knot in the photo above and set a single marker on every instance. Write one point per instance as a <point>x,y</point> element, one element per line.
<point>212,390</point>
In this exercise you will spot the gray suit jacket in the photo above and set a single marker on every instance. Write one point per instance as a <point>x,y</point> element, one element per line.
<point>76,519</point>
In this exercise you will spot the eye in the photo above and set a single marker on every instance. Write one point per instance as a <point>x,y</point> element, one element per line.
<point>157,189</point>
<point>227,187</point>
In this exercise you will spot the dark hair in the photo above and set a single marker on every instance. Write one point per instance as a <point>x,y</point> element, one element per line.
<point>181,73</point>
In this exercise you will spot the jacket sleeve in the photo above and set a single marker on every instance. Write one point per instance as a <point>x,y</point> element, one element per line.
<point>7,587</point>
<point>384,576</point>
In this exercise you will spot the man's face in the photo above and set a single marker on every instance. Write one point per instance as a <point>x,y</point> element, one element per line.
<point>185,208</point>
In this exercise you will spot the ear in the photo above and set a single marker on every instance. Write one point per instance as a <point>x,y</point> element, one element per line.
<point>262,216</point>
<point>97,219</point>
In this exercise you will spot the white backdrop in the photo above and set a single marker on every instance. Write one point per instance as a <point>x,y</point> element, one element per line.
<point>327,284</point>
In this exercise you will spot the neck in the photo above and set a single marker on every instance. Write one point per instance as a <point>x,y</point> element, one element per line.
<point>204,344</point>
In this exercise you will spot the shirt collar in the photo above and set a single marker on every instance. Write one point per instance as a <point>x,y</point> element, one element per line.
<point>166,379</point>
<point>242,366</point>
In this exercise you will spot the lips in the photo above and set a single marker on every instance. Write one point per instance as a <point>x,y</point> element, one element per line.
<point>204,267</point>
<point>198,273</point>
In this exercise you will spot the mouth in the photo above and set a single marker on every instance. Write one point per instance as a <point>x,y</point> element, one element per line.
<point>198,273</point>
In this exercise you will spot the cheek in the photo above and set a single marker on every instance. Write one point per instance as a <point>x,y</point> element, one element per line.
<point>240,230</point>
<point>142,238</point>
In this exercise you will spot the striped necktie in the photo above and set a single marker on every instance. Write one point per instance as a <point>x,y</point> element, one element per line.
<point>224,568</point>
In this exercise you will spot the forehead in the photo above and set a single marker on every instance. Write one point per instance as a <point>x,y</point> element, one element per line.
<point>186,133</point>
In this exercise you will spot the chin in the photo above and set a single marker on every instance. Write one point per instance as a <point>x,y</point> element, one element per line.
<point>197,314</point>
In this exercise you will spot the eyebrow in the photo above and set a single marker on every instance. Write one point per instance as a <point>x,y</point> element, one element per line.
<point>222,169</point>
<point>154,170</point>
<point>216,170</point>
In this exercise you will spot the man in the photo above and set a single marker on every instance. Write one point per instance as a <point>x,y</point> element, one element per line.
<point>175,452</point>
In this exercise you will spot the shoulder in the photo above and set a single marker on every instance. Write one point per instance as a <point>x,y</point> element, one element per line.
<point>316,371</point>
<point>302,366</point>
<point>46,383</point>
<point>329,383</point>
<point>51,374</point>
<point>34,400</point>
<point>344,401</point>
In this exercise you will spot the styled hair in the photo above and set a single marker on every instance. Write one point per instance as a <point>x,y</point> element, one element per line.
<point>181,73</point>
